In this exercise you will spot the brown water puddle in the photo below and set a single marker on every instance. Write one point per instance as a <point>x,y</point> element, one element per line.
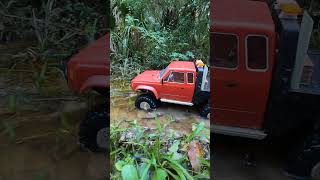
<point>177,117</point>
<point>43,147</point>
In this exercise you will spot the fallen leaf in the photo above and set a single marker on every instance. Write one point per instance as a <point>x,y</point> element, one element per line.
<point>195,153</point>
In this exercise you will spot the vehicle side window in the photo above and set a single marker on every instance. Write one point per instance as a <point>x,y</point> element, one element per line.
<point>190,78</point>
<point>257,52</point>
<point>224,50</point>
<point>176,77</point>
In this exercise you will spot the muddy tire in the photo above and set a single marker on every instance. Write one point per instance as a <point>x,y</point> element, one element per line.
<point>304,161</point>
<point>146,102</point>
<point>93,127</point>
<point>205,111</point>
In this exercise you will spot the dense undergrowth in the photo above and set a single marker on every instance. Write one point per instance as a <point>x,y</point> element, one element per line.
<point>50,31</point>
<point>149,34</point>
<point>142,153</point>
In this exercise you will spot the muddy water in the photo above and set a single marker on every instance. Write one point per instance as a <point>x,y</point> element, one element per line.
<point>177,117</point>
<point>39,141</point>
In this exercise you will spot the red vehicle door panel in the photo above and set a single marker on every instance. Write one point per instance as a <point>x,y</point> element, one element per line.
<point>240,89</point>
<point>176,87</point>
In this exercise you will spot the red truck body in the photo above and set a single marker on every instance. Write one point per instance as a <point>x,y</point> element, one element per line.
<point>240,94</point>
<point>152,81</point>
<point>90,67</point>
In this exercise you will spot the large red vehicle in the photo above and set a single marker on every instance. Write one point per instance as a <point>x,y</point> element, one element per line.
<point>89,70</point>
<point>264,81</point>
<point>181,82</point>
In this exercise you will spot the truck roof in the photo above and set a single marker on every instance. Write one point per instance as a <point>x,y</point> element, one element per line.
<point>241,14</point>
<point>182,65</point>
<point>95,53</point>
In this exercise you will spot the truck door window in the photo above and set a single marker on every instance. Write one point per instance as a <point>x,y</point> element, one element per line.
<point>190,78</point>
<point>224,50</point>
<point>257,52</point>
<point>175,77</point>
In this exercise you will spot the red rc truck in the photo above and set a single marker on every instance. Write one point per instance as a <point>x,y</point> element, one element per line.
<point>180,82</point>
<point>264,81</point>
<point>89,70</point>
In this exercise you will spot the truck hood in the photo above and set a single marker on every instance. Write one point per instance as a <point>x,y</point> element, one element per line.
<point>95,53</point>
<point>147,76</point>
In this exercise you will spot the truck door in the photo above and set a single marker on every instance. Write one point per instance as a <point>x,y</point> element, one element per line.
<point>178,86</point>
<point>240,78</point>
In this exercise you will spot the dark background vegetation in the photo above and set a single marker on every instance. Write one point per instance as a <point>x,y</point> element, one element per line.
<point>50,31</point>
<point>39,115</point>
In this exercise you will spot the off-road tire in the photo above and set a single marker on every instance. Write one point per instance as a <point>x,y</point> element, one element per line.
<point>95,120</point>
<point>205,111</point>
<point>151,101</point>
<point>305,158</point>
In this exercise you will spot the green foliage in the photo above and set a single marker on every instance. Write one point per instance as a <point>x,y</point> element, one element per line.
<point>149,34</point>
<point>54,29</point>
<point>140,153</point>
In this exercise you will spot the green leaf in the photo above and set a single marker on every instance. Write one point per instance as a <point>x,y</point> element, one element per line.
<point>178,171</point>
<point>196,132</point>
<point>143,171</point>
<point>179,168</point>
<point>119,165</point>
<point>129,172</point>
<point>160,174</point>
<point>172,175</point>
<point>159,125</point>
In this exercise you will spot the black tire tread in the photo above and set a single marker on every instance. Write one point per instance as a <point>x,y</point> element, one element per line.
<point>146,98</point>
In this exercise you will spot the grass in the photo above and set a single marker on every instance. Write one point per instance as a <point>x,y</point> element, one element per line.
<point>142,153</point>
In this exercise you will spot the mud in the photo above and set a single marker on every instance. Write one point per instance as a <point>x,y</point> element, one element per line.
<point>38,130</point>
<point>176,117</point>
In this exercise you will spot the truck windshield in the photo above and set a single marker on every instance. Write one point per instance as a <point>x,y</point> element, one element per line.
<point>163,71</point>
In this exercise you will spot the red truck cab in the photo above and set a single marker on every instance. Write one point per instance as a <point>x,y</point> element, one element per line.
<point>263,81</point>
<point>242,60</point>
<point>89,69</point>
<point>177,83</point>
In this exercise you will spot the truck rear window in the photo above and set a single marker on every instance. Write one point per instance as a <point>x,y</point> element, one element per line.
<point>257,52</point>
<point>190,78</point>
<point>224,50</point>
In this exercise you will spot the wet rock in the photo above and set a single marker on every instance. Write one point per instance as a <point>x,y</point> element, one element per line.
<point>153,115</point>
<point>127,136</point>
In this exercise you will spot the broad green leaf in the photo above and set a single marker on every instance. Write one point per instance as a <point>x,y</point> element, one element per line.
<point>143,171</point>
<point>160,174</point>
<point>129,172</point>
<point>119,165</point>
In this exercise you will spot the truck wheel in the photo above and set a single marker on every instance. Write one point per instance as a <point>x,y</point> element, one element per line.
<point>205,111</point>
<point>315,172</point>
<point>93,129</point>
<point>305,162</point>
<point>146,102</point>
